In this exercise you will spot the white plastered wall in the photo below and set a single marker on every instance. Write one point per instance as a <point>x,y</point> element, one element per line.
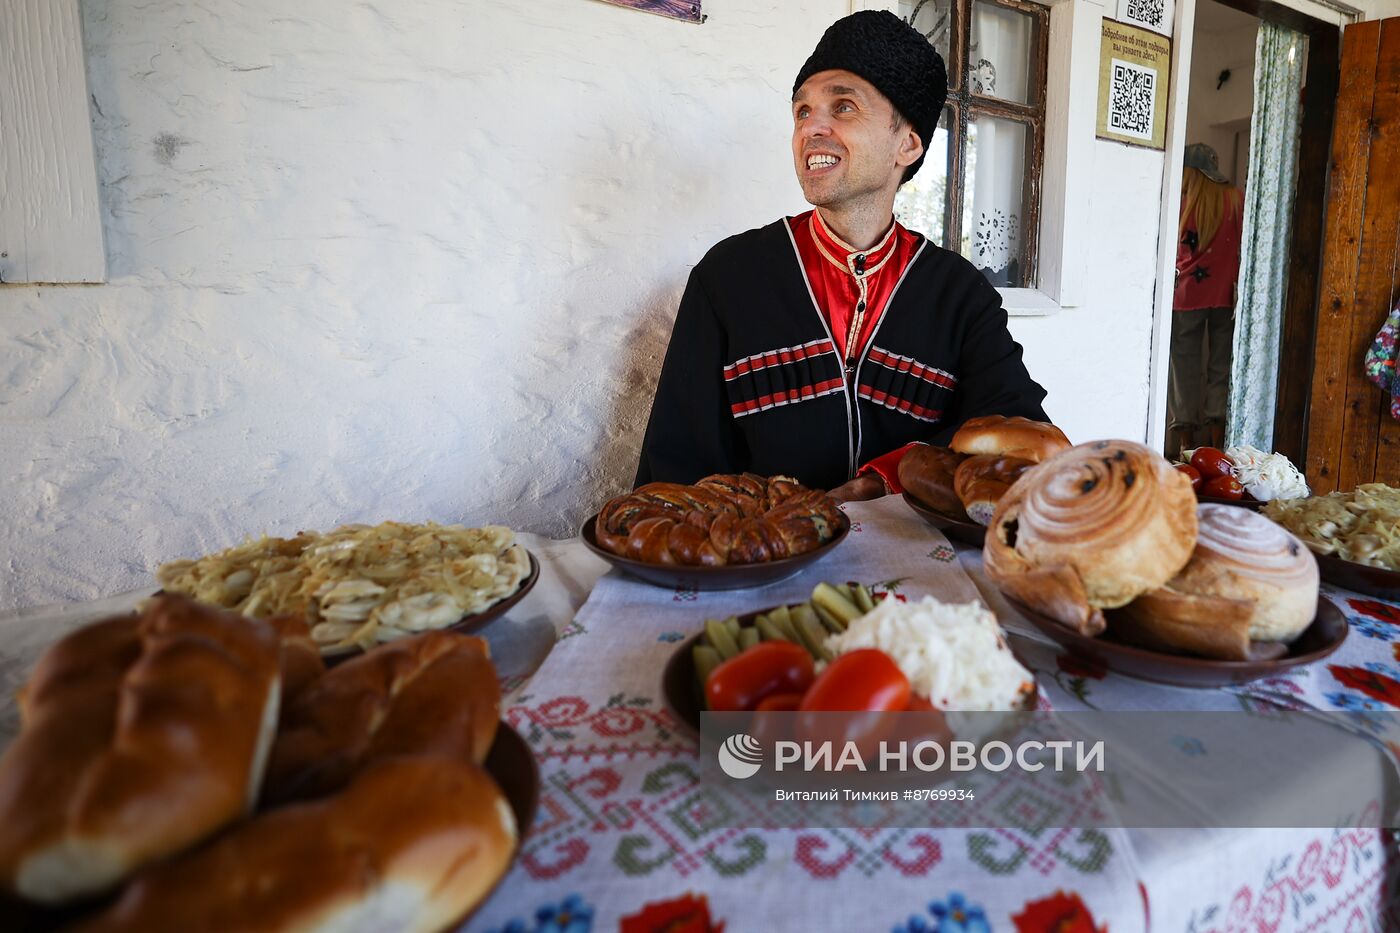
<point>419,261</point>
<point>1103,204</point>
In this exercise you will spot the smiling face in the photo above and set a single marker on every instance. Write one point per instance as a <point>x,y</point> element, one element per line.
<point>849,144</point>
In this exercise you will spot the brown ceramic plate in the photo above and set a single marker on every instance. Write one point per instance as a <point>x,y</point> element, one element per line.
<point>467,624</point>
<point>1373,581</point>
<point>680,687</point>
<point>1253,505</point>
<point>510,762</point>
<point>1324,636</point>
<point>959,529</point>
<point>731,577</point>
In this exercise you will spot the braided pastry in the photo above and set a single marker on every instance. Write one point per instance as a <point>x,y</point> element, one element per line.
<point>722,519</point>
<point>1090,529</point>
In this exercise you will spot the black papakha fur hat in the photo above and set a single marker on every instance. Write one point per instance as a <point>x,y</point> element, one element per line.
<point>892,55</point>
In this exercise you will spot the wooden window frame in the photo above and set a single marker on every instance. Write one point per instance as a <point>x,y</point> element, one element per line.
<point>963,104</point>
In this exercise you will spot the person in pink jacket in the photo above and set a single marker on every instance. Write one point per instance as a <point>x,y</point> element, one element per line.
<point>1203,305</point>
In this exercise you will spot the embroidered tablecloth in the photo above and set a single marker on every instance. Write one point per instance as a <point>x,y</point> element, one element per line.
<point>624,822</point>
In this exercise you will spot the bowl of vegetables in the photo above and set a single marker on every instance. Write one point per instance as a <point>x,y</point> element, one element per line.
<point>848,650</point>
<point>1241,475</point>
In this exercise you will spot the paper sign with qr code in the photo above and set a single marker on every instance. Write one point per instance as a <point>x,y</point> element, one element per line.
<point>1134,69</point>
<point>1149,14</point>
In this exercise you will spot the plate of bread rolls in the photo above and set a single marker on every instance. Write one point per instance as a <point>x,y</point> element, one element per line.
<point>1106,550</point>
<point>186,763</point>
<point>957,488</point>
<point>727,531</point>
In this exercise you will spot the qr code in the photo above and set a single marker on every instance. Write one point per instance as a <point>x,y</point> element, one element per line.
<point>1132,99</point>
<point>1147,12</point>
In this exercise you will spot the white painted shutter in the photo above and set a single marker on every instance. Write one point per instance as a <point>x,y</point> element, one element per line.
<point>50,221</point>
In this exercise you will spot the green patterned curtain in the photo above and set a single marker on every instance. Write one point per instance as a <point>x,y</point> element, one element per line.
<point>1268,214</point>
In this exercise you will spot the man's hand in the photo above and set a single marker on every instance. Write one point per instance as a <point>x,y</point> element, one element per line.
<point>867,486</point>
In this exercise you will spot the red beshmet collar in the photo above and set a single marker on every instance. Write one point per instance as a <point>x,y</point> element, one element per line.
<point>851,286</point>
<point>855,262</point>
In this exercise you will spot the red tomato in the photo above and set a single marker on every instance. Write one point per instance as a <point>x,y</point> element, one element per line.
<point>1223,487</point>
<point>779,703</point>
<point>1193,474</point>
<point>768,667</point>
<point>929,726</point>
<point>778,725</point>
<point>864,680</point>
<point>918,704</point>
<point>1212,462</point>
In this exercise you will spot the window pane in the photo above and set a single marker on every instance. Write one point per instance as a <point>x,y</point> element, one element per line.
<point>933,18</point>
<point>993,199</point>
<point>1000,56</point>
<point>921,203</point>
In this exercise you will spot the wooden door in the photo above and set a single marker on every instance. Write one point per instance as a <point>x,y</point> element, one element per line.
<point>1351,437</point>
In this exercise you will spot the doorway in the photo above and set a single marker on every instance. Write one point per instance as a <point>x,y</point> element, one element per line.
<point>1245,305</point>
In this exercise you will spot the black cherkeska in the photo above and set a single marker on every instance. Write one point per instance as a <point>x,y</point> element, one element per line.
<point>752,380</point>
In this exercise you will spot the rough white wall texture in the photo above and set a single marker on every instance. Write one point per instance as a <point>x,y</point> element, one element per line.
<point>1094,360</point>
<point>418,260</point>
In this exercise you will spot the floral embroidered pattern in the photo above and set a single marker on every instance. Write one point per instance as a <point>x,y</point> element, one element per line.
<point>1376,686</point>
<point>1374,619</point>
<point>955,915</point>
<point>1058,913</point>
<point>689,913</point>
<point>571,915</point>
<point>1350,702</point>
<point>1075,676</point>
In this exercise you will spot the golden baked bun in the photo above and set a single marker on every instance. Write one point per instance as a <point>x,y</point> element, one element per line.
<point>1009,437</point>
<point>926,473</point>
<point>431,693</point>
<point>1090,529</point>
<point>141,736</point>
<point>300,660</point>
<point>411,845</point>
<point>981,481</point>
<point>1248,580</point>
